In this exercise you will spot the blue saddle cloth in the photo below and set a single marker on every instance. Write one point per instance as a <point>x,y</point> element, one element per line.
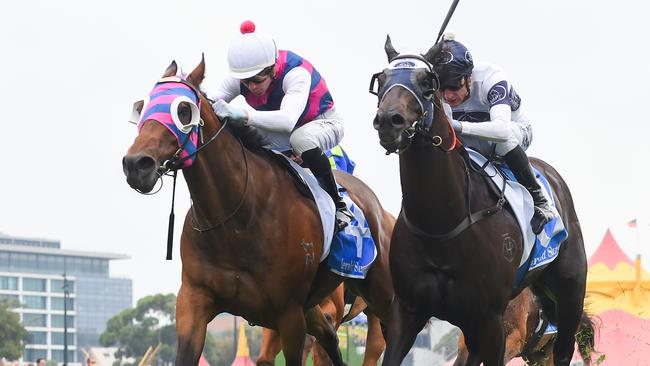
<point>547,243</point>
<point>353,249</point>
<point>538,250</point>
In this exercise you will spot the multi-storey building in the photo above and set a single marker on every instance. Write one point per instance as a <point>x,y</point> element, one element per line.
<point>32,273</point>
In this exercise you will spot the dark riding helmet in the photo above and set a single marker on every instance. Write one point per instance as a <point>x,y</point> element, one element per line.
<point>453,63</point>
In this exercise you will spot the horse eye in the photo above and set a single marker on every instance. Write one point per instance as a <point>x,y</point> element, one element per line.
<point>426,84</point>
<point>184,113</point>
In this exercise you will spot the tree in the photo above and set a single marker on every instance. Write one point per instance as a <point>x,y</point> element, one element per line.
<point>133,330</point>
<point>12,334</point>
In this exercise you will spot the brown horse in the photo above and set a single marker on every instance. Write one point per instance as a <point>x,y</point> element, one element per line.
<point>456,247</point>
<point>524,338</point>
<point>251,242</point>
<point>333,307</point>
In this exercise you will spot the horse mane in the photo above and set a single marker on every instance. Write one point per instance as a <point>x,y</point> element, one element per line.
<point>249,136</point>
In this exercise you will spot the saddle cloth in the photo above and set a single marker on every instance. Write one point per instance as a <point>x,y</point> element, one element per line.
<point>352,250</point>
<point>539,250</point>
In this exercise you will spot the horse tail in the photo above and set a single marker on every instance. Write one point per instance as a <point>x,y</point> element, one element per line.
<point>586,337</point>
<point>358,306</point>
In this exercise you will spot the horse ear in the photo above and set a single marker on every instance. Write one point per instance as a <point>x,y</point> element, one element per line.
<point>198,74</point>
<point>171,70</point>
<point>432,52</point>
<point>390,50</point>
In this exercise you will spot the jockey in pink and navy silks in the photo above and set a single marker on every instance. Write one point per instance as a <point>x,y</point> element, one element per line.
<point>486,108</point>
<point>289,102</point>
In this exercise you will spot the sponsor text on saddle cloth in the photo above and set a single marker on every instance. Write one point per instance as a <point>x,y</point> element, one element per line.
<point>352,250</point>
<point>538,250</point>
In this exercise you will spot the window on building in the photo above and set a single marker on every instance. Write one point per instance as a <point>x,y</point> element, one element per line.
<point>57,321</point>
<point>57,303</point>
<point>34,302</point>
<point>34,284</point>
<point>8,283</point>
<point>57,286</point>
<point>34,320</point>
<point>37,338</point>
<point>31,354</point>
<point>4,260</point>
<point>57,338</point>
<point>57,355</point>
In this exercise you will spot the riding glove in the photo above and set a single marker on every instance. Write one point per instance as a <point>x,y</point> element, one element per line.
<point>235,115</point>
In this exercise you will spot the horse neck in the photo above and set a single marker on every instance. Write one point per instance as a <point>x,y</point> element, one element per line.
<point>219,177</point>
<point>434,181</point>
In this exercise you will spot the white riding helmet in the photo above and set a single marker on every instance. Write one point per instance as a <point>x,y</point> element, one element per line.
<point>250,52</point>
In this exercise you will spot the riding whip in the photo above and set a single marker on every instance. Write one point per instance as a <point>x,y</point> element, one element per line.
<point>449,14</point>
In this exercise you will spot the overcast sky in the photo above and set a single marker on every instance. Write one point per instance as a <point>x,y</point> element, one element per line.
<point>72,69</point>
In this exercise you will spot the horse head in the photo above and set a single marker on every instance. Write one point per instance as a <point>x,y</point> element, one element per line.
<point>169,124</point>
<point>407,100</point>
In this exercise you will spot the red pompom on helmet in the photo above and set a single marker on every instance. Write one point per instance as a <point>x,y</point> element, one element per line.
<point>250,52</point>
<point>247,27</point>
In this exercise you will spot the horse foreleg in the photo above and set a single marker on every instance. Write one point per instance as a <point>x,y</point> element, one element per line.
<point>320,327</point>
<point>375,342</point>
<point>491,341</point>
<point>292,329</point>
<point>194,310</point>
<point>403,326</point>
<point>270,347</point>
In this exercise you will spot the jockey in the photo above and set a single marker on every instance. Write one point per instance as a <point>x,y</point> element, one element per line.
<point>290,104</point>
<point>485,106</point>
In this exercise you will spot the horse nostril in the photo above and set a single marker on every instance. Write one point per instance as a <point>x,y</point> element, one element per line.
<point>145,163</point>
<point>397,120</point>
<point>375,122</point>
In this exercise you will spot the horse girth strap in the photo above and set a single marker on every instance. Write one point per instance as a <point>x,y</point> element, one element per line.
<point>467,222</point>
<point>471,218</point>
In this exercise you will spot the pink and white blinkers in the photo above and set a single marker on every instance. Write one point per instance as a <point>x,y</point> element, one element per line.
<point>162,105</point>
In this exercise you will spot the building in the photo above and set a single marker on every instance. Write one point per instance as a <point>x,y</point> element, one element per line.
<point>32,273</point>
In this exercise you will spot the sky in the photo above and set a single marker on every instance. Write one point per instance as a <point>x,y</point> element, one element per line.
<point>72,70</point>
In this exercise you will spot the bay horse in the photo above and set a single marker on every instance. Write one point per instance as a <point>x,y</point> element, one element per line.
<point>456,247</point>
<point>525,335</point>
<point>333,307</point>
<point>251,242</point>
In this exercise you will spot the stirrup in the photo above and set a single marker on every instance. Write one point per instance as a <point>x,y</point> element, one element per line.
<point>541,217</point>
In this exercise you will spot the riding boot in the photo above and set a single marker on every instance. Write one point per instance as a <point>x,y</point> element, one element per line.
<point>320,166</point>
<point>521,168</point>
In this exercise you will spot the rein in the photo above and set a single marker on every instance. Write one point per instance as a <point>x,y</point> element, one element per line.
<point>471,218</point>
<point>239,205</point>
<point>175,162</point>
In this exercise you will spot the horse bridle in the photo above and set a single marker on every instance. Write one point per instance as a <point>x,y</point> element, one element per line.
<point>175,162</point>
<point>420,128</point>
<point>403,77</point>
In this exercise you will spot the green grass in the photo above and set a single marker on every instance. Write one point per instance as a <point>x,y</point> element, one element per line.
<point>348,352</point>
